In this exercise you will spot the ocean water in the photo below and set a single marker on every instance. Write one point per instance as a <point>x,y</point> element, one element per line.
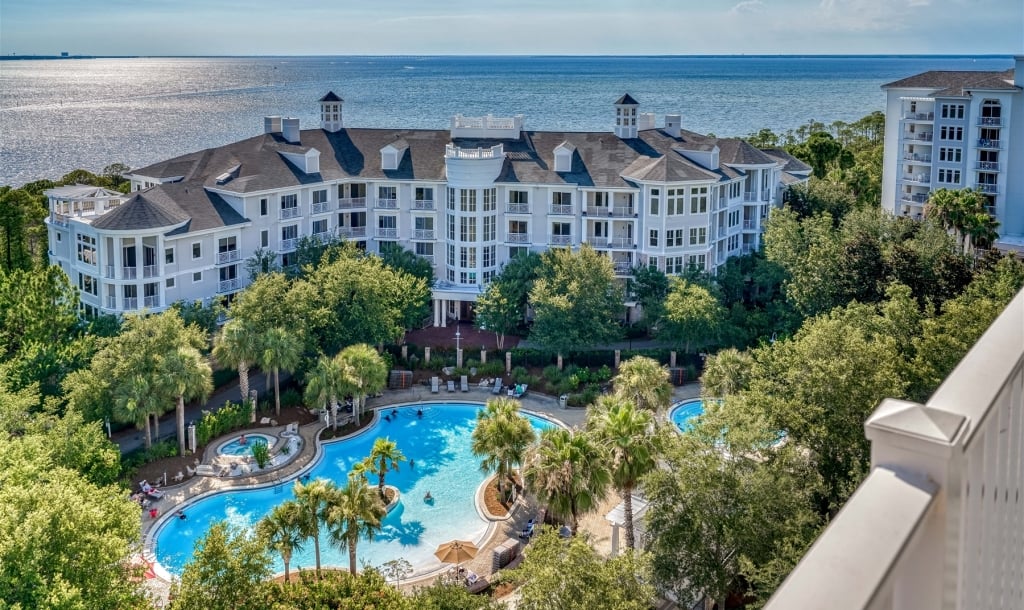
<point>59,115</point>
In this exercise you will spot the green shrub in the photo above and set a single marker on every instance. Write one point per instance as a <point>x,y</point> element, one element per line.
<point>222,377</point>
<point>131,462</point>
<point>222,421</point>
<point>602,375</point>
<point>584,398</point>
<point>261,453</point>
<point>492,369</point>
<point>472,363</point>
<point>564,386</point>
<point>291,398</point>
<point>552,374</point>
<point>520,374</point>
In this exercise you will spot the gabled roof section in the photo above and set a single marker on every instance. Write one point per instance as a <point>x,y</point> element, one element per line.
<point>83,191</point>
<point>331,97</point>
<point>627,99</point>
<point>792,164</point>
<point>144,211</point>
<point>398,145</point>
<point>671,167</point>
<point>735,151</point>
<point>951,81</point>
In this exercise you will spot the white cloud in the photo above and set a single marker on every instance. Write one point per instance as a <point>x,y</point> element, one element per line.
<point>747,6</point>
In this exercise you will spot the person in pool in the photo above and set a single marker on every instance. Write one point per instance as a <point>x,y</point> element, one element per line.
<point>241,440</point>
<point>427,497</point>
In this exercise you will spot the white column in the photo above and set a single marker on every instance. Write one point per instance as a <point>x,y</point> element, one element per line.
<point>444,313</point>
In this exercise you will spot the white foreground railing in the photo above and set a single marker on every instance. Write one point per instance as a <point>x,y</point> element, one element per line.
<point>939,522</point>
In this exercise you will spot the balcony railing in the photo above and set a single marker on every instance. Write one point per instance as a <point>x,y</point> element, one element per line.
<point>227,256</point>
<point>746,249</point>
<point>351,202</point>
<point>990,121</point>
<point>750,196</point>
<point>920,137</point>
<point>149,271</point>
<point>59,219</point>
<point>561,208</point>
<point>423,234</point>
<point>350,232</point>
<point>919,178</point>
<point>321,208</point>
<point>387,233</point>
<point>917,199</point>
<point>987,143</point>
<point>387,204</point>
<point>130,303</point>
<point>452,151</point>
<point>989,166</point>
<point>561,240</point>
<point>517,238</point>
<point>426,257</point>
<point>621,242</point>
<point>111,302</point>
<point>151,301</point>
<point>423,204</point>
<point>936,523</point>
<point>287,213</point>
<point>991,189</point>
<point>129,273</point>
<point>622,268</point>
<point>919,116</point>
<point>721,231</point>
<point>108,272</point>
<point>229,285</point>
<point>517,208</point>
<point>918,158</point>
<point>323,237</point>
<point>287,245</point>
<point>749,224</point>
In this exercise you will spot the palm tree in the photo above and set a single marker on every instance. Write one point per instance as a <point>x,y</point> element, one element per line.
<point>963,211</point>
<point>568,472</point>
<point>312,499</point>
<point>644,383</point>
<point>502,437</point>
<point>368,373</point>
<point>282,529</point>
<point>279,349</point>
<point>384,457</point>
<point>135,401</point>
<point>351,512</point>
<point>725,373</point>
<point>325,382</point>
<point>628,434</point>
<point>186,375</point>
<point>238,346</point>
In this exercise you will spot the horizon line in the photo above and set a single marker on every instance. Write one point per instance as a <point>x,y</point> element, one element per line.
<point>527,55</point>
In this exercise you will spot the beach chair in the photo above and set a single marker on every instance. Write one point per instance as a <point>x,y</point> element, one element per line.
<point>527,532</point>
<point>178,478</point>
<point>205,470</point>
<point>520,390</point>
<point>451,385</point>
<point>497,386</point>
<point>464,383</point>
<point>191,471</point>
<point>434,383</point>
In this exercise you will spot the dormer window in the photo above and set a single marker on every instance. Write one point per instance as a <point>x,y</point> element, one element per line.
<point>563,157</point>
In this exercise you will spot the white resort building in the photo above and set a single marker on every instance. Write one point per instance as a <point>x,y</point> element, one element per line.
<point>957,130</point>
<point>467,198</point>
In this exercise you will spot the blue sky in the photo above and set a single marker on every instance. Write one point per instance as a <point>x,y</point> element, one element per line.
<point>482,27</point>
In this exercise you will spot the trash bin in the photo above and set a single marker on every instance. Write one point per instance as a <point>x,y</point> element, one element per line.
<point>563,401</point>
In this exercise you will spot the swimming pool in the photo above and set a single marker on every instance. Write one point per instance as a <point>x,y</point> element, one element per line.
<point>439,443</point>
<point>682,414</point>
<point>235,447</point>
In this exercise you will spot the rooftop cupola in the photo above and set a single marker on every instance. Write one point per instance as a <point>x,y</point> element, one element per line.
<point>625,117</point>
<point>330,112</point>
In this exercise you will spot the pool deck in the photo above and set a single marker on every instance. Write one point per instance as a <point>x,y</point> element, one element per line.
<point>525,507</point>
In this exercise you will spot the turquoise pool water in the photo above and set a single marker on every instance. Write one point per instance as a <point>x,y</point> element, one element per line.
<point>237,448</point>
<point>682,414</point>
<point>439,443</point>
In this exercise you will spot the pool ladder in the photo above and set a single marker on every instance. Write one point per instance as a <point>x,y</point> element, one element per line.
<point>278,485</point>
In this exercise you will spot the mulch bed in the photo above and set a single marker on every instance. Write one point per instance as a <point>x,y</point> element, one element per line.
<point>492,500</point>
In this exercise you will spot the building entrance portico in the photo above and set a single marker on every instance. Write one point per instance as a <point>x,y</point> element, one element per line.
<point>453,302</point>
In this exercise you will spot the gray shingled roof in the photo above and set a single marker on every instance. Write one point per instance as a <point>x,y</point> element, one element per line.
<point>956,83</point>
<point>735,151</point>
<point>792,164</point>
<point>145,210</point>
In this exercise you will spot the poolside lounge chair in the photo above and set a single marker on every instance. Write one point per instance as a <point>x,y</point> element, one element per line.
<point>520,390</point>
<point>451,385</point>
<point>527,532</point>
<point>478,586</point>
<point>149,490</point>
<point>464,383</point>
<point>497,386</point>
<point>178,478</point>
<point>191,471</point>
<point>205,470</point>
<point>434,383</point>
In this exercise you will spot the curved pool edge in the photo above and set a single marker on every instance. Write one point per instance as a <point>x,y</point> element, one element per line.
<point>149,540</point>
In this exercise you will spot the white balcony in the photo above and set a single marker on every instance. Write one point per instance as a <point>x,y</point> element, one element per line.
<point>130,303</point>
<point>991,189</point>
<point>746,249</point>
<point>517,208</point>
<point>938,521</point>
<point>750,196</point>
<point>517,238</point>
<point>622,268</point>
<point>917,137</point>
<point>351,232</point>
<point>423,234</point>
<point>988,166</point>
<point>915,199</point>
<point>229,285</point>
<point>560,240</point>
<point>452,151</point>
<point>621,242</point>
<point>228,256</point>
<point>987,143</point>
<point>387,204</point>
<point>149,271</point>
<point>351,202</point>
<point>917,178</point>
<point>129,273</point>
<point>564,209</point>
<point>108,272</point>
<point>151,301</point>
<point>323,237</point>
<point>320,208</point>
<point>749,225</point>
<point>111,302</point>
<point>288,245</point>
<point>387,233</point>
<point>423,204</point>
<point>287,213</point>
<point>919,116</point>
<point>990,121</point>
<point>721,231</point>
<point>917,158</point>
<point>59,220</point>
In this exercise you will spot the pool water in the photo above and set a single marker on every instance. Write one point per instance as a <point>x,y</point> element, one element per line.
<point>683,414</point>
<point>237,448</point>
<point>440,445</point>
